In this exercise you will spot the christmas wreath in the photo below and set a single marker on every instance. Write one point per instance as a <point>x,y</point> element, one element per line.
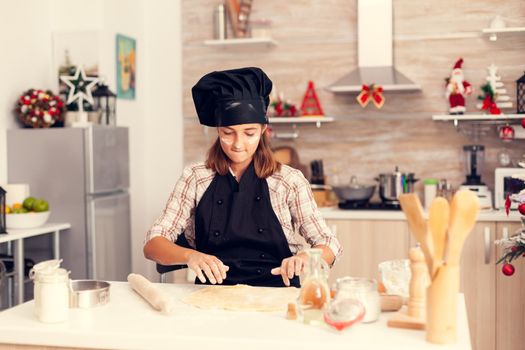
<point>513,246</point>
<point>40,109</point>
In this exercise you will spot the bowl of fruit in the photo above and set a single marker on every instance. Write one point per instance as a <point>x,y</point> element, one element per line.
<point>33,212</point>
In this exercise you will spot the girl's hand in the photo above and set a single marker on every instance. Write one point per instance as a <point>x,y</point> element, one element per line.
<point>290,267</point>
<point>212,267</point>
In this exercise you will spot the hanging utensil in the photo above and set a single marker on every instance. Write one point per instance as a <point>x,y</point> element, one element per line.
<point>413,210</point>
<point>463,213</point>
<point>438,220</point>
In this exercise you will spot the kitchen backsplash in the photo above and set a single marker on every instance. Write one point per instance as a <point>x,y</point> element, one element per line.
<point>317,41</point>
<point>366,149</point>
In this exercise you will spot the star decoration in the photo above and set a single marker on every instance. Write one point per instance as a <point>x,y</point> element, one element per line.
<point>80,87</point>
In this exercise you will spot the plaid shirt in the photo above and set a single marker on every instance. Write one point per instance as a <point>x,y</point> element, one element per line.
<point>291,198</point>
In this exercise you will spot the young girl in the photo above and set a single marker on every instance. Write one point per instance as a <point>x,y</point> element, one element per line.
<point>240,210</point>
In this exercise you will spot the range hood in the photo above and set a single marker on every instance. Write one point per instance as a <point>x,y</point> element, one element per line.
<point>374,52</point>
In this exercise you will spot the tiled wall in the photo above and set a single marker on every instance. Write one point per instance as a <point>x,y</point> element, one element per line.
<point>317,41</point>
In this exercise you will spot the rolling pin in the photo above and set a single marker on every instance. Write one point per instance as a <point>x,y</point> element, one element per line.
<point>154,296</point>
<point>391,302</point>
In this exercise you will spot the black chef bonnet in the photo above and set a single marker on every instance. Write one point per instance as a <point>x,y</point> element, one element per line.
<point>232,97</point>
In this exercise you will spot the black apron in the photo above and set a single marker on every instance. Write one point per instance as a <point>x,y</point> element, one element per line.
<point>236,223</point>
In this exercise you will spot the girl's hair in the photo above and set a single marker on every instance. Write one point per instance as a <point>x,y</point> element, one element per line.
<point>264,163</point>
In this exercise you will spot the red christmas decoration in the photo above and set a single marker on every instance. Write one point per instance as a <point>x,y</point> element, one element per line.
<point>311,105</point>
<point>40,109</point>
<point>521,208</point>
<point>508,269</point>
<point>506,133</point>
<point>490,106</point>
<point>523,123</point>
<point>281,108</point>
<point>372,93</point>
<point>457,88</point>
<point>507,205</point>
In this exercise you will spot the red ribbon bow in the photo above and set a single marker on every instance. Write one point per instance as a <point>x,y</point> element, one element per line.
<point>371,92</point>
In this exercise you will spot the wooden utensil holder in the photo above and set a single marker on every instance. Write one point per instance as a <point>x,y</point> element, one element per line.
<point>442,303</point>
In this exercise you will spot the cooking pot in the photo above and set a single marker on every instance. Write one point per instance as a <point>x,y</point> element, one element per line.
<point>391,185</point>
<point>354,192</point>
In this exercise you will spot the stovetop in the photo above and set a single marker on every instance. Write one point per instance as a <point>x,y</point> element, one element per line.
<point>368,206</point>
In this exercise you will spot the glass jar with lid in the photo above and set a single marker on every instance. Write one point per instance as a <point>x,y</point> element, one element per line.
<point>365,291</point>
<point>51,291</point>
<point>344,310</point>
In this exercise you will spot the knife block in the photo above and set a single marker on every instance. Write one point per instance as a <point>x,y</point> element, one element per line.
<point>442,304</point>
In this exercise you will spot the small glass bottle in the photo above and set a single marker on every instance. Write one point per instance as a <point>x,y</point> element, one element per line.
<point>314,292</point>
<point>365,291</point>
<point>51,291</point>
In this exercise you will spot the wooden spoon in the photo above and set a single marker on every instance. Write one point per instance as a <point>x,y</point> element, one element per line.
<point>418,226</point>
<point>463,212</point>
<point>438,220</point>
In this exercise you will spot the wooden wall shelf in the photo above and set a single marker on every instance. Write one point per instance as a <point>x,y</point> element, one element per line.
<point>241,42</point>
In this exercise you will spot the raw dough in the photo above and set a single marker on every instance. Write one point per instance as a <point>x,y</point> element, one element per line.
<point>242,298</point>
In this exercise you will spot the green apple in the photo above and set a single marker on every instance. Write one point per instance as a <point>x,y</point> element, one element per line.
<point>29,202</point>
<point>40,205</point>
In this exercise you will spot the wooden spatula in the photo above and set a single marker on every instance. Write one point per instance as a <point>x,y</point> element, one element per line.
<point>463,212</point>
<point>418,226</point>
<point>438,220</point>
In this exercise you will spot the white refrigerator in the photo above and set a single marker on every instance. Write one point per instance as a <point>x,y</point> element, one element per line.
<point>84,175</point>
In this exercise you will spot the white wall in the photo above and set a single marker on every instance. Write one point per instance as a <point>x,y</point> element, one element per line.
<point>154,118</point>
<point>163,120</point>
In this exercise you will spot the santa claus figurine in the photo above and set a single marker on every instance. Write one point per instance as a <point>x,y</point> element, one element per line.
<point>457,89</point>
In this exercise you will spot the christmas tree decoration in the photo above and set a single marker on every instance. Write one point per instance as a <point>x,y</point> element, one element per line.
<point>513,246</point>
<point>506,133</point>
<point>80,87</point>
<point>521,208</point>
<point>311,105</point>
<point>494,94</point>
<point>520,95</point>
<point>457,88</point>
<point>508,269</point>
<point>40,109</point>
<point>372,93</point>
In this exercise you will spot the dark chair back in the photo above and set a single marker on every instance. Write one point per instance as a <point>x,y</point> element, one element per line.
<point>164,269</point>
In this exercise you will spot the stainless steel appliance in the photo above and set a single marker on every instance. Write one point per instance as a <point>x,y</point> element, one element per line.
<point>474,158</point>
<point>84,175</point>
<point>505,184</point>
<point>474,164</point>
<point>391,185</point>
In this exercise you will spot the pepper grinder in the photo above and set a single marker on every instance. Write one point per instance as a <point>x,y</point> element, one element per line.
<point>413,317</point>
<point>418,284</point>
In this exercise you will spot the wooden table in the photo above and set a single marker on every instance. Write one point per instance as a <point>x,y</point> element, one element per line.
<point>17,238</point>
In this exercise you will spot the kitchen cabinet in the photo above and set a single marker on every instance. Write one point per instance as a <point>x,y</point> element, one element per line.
<point>510,298</point>
<point>366,243</point>
<point>478,282</point>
